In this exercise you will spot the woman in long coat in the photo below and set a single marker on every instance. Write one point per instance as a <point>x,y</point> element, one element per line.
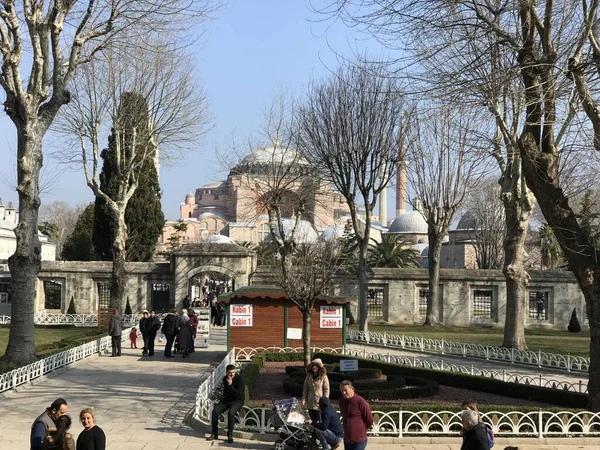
<point>316,385</point>
<point>186,341</point>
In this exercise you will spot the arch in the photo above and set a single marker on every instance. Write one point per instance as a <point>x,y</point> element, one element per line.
<point>209,268</point>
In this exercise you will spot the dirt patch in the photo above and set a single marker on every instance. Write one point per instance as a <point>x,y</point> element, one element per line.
<point>270,386</point>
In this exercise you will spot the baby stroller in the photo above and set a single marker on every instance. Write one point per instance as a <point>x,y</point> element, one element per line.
<point>288,419</point>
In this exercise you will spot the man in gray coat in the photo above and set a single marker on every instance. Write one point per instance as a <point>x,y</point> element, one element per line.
<point>115,329</point>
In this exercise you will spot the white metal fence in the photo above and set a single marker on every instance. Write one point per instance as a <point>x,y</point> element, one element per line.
<point>25,374</point>
<point>488,352</point>
<point>401,423</point>
<point>81,320</point>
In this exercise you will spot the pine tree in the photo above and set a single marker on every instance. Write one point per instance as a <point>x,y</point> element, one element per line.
<point>143,216</point>
<point>574,326</point>
<point>128,311</point>
<point>71,308</point>
<point>78,245</point>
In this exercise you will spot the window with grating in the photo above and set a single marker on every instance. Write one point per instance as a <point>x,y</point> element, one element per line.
<point>423,293</point>
<point>538,305</point>
<point>4,297</point>
<point>375,302</point>
<point>482,303</point>
<point>52,294</point>
<point>103,294</point>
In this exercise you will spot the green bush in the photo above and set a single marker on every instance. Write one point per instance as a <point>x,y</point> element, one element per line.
<point>282,357</point>
<point>250,372</point>
<point>476,383</point>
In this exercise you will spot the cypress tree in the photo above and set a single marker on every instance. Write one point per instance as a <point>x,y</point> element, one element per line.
<point>143,216</point>
<point>78,245</point>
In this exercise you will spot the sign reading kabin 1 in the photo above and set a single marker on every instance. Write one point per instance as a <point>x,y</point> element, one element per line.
<point>331,316</point>
<point>240,315</point>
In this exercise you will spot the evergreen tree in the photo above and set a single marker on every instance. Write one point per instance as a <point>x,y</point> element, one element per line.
<point>71,308</point>
<point>574,326</point>
<point>143,216</point>
<point>78,245</point>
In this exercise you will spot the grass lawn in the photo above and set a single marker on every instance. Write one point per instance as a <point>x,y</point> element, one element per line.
<point>48,339</point>
<point>551,341</point>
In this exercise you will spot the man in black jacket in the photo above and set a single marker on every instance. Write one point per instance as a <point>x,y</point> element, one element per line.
<point>154,327</point>
<point>474,432</point>
<point>169,329</point>
<point>329,430</point>
<point>233,400</point>
<point>145,325</point>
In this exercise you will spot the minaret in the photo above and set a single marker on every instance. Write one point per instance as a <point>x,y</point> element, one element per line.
<point>401,183</point>
<point>1,210</point>
<point>383,207</point>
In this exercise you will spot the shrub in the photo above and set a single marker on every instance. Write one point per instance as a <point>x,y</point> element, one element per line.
<point>250,372</point>
<point>71,308</point>
<point>282,357</point>
<point>574,326</point>
<point>128,308</point>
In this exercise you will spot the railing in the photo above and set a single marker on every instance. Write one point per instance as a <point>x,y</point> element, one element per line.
<point>25,374</point>
<point>82,320</point>
<point>401,423</point>
<point>535,380</point>
<point>539,424</point>
<point>205,393</point>
<point>489,352</point>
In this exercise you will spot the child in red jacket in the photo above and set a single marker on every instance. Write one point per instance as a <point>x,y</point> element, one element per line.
<point>133,337</point>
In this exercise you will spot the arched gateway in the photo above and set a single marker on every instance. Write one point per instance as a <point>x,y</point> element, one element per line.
<point>153,285</point>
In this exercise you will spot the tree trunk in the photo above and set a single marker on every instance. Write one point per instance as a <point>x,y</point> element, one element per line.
<point>433,299</point>
<point>119,275</point>
<point>306,323</point>
<point>26,262</point>
<point>363,279</point>
<point>540,170</point>
<point>517,210</point>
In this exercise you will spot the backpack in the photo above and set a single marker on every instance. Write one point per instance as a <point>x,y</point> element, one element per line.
<point>490,434</point>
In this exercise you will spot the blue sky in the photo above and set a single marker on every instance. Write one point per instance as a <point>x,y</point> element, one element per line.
<point>252,50</point>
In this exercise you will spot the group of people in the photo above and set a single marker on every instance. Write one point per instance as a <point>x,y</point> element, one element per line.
<point>180,330</point>
<point>328,428</point>
<point>50,431</point>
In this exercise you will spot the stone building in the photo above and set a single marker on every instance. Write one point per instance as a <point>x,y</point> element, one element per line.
<point>232,207</point>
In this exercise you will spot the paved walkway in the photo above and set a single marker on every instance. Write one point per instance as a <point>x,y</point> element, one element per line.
<point>141,404</point>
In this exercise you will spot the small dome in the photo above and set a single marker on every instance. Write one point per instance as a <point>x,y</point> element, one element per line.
<point>190,194</point>
<point>219,239</point>
<point>409,222</point>
<point>305,233</point>
<point>331,233</point>
<point>422,249</point>
<point>468,221</point>
<point>273,155</point>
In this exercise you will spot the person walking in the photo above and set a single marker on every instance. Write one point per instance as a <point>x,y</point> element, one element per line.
<point>145,325</point>
<point>92,437</point>
<point>154,327</point>
<point>169,329</point>
<point>232,401</point>
<point>329,430</point>
<point>357,417</point>
<point>115,330</point>
<point>185,333</point>
<point>316,385</point>
<point>194,325</point>
<point>47,421</point>
<point>62,439</point>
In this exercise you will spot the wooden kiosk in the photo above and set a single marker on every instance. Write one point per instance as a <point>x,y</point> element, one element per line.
<point>263,316</point>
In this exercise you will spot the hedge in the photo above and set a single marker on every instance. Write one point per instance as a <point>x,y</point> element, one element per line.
<point>476,383</point>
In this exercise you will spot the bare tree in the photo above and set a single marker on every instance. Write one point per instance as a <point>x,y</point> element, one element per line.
<point>277,181</point>
<point>351,131</point>
<point>64,217</point>
<point>43,45</point>
<point>486,230</point>
<point>554,51</point>
<point>443,169</point>
<point>306,276</point>
<point>152,104</point>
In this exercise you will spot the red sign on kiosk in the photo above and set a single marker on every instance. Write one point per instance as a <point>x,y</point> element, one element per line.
<point>240,315</point>
<point>331,316</point>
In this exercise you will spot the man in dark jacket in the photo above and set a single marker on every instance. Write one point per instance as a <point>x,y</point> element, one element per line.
<point>154,327</point>
<point>46,422</point>
<point>329,430</point>
<point>474,433</point>
<point>115,329</point>
<point>145,325</point>
<point>169,329</point>
<point>233,400</point>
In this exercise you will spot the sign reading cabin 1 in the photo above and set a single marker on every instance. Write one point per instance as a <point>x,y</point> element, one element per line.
<point>263,316</point>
